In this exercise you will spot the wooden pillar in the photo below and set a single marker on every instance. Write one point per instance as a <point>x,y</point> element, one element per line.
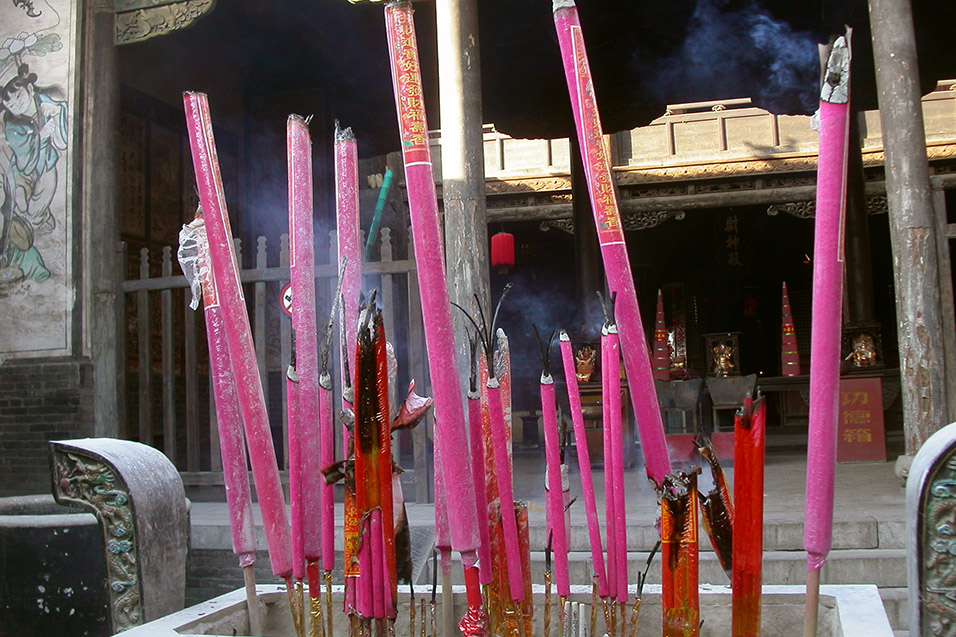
<point>588,266</point>
<point>859,262</point>
<point>101,271</point>
<point>912,223</point>
<point>462,164</point>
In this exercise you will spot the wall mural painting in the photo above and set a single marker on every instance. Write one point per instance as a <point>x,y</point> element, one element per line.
<point>36,124</point>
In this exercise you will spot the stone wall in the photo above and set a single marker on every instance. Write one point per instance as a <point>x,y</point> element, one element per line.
<point>40,401</point>
<point>214,572</point>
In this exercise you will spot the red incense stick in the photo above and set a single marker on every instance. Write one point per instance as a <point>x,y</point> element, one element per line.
<point>749,428</point>
<point>679,557</point>
<point>610,520</point>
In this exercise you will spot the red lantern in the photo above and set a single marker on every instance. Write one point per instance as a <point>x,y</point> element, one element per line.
<point>502,250</point>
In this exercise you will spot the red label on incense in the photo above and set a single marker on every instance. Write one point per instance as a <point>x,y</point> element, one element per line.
<point>408,89</point>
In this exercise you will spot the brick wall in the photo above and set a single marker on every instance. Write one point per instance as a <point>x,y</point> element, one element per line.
<point>40,401</point>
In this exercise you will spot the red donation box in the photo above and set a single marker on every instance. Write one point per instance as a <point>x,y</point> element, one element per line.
<point>860,430</point>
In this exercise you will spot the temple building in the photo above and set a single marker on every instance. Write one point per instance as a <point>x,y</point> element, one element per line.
<point>96,336</point>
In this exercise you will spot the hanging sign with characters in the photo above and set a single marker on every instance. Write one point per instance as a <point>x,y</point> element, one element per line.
<point>37,69</point>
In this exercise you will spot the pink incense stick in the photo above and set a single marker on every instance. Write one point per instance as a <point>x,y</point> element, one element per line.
<point>349,251</point>
<point>379,564</point>
<point>607,219</point>
<point>430,264</point>
<point>552,453</point>
<point>825,332</point>
<point>366,578</point>
<point>348,232</point>
<point>478,476</point>
<point>612,403</point>
<point>327,450</point>
<point>584,464</point>
<point>302,268</point>
<point>442,534</point>
<point>231,446</point>
<point>506,496</point>
<point>442,531</point>
<point>238,333</point>
<point>295,468</point>
<point>610,520</point>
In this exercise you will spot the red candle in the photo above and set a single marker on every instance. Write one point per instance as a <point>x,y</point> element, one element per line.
<point>238,333</point>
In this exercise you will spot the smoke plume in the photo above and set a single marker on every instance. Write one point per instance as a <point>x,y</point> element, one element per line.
<point>739,52</point>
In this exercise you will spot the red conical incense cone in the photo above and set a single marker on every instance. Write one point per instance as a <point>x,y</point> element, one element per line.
<point>660,360</point>
<point>789,355</point>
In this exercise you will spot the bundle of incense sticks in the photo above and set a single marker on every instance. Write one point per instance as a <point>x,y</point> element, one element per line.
<point>373,469</point>
<point>238,335</point>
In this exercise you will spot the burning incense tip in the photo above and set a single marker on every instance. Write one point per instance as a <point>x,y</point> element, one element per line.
<point>836,78</point>
<point>342,134</point>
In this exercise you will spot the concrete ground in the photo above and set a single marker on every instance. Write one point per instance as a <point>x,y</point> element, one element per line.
<point>868,543</point>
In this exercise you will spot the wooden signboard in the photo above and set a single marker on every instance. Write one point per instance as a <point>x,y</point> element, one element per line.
<point>861,431</point>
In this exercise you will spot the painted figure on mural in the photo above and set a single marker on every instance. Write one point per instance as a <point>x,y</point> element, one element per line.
<point>34,136</point>
<point>34,125</point>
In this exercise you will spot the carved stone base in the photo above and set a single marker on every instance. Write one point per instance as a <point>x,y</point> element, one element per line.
<point>138,498</point>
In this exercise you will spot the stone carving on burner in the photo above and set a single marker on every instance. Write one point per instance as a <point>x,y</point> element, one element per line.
<point>137,496</point>
<point>931,537</point>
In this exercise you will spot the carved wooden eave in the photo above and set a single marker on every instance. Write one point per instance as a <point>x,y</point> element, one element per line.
<point>138,20</point>
<point>782,183</point>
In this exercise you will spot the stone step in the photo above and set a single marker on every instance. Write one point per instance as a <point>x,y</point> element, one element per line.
<point>897,604</point>
<point>882,567</point>
<point>777,536</point>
